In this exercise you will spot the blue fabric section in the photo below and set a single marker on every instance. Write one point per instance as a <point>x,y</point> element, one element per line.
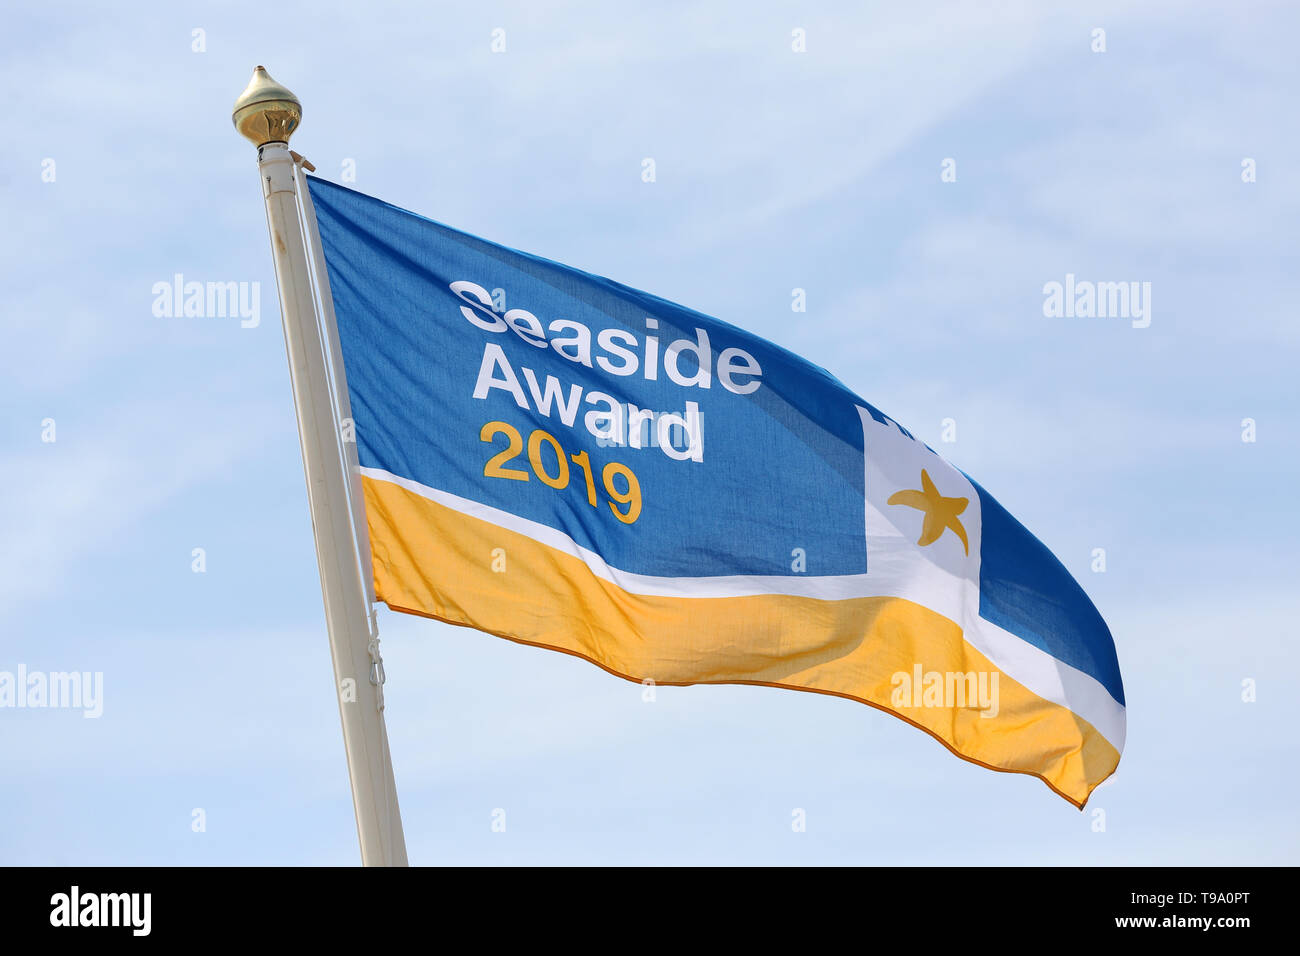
<point>781,469</point>
<point>1024,589</point>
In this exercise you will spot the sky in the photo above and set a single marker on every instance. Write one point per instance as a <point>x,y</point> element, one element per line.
<point>1169,157</point>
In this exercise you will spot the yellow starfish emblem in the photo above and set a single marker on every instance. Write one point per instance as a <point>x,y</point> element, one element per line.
<point>940,512</point>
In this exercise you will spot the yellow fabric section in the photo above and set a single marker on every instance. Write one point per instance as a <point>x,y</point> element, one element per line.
<point>438,562</point>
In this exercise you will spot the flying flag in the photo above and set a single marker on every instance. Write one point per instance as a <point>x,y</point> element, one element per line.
<point>558,459</point>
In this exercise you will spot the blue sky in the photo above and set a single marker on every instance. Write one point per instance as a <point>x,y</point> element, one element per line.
<point>775,170</point>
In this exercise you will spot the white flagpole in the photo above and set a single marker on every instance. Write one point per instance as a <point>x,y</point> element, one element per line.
<point>342,402</point>
<point>267,114</point>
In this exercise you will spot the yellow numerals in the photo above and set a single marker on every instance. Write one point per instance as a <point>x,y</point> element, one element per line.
<point>546,456</point>
<point>631,497</point>
<point>493,468</point>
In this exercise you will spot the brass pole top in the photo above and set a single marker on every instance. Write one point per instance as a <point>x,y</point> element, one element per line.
<point>266,112</point>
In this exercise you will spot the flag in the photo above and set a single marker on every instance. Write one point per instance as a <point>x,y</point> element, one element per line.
<point>555,458</point>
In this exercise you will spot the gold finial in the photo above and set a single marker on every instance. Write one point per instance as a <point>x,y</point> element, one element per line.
<point>266,112</point>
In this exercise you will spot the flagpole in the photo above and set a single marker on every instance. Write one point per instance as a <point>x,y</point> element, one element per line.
<point>267,114</point>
